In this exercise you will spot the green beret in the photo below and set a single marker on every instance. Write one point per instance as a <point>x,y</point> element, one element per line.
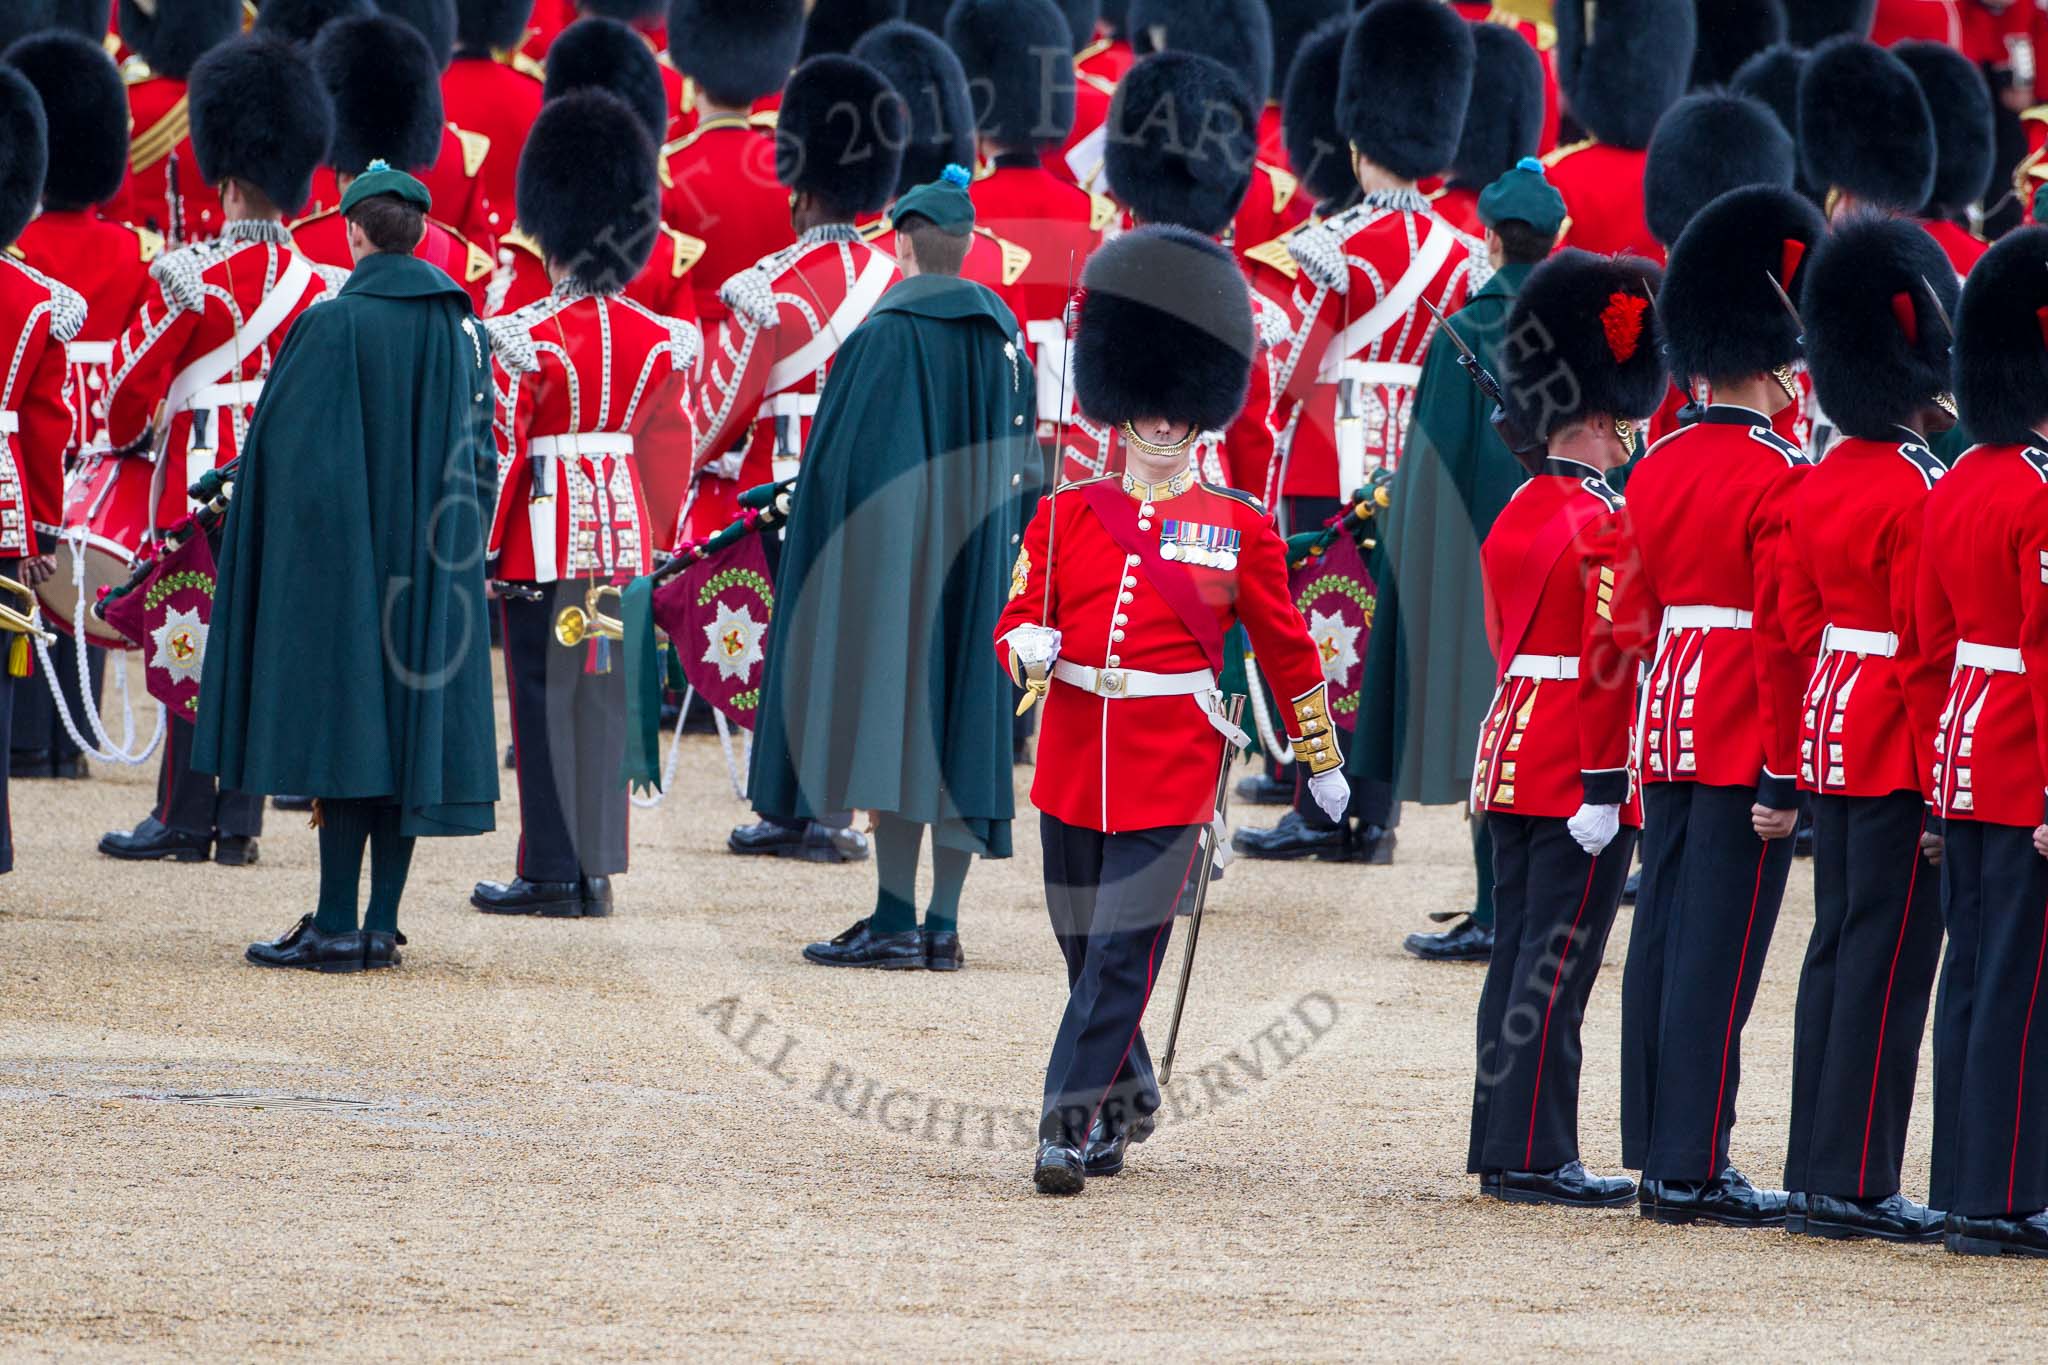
<point>379,178</point>
<point>1524,194</point>
<point>944,202</point>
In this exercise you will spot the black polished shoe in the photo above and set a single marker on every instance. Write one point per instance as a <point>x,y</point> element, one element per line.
<point>1263,789</point>
<point>1104,1155</point>
<point>556,900</point>
<point>942,951</point>
<point>857,947</point>
<point>304,946</point>
<point>765,838</point>
<point>380,949</point>
<point>28,763</point>
<point>832,844</point>
<point>2012,1236</point>
<point>597,897</point>
<point>511,757</point>
<point>1729,1200</point>
<point>1375,846</point>
<point>154,841</point>
<point>1571,1185</point>
<point>1795,1213</point>
<point>814,843</point>
<point>1060,1169</point>
<point>1489,1184</point>
<point>297,803</point>
<point>1631,886</point>
<point>1466,941</point>
<point>235,850</point>
<point>1291,838</point>
<point>71,768</point>
<point>1891,1219</point>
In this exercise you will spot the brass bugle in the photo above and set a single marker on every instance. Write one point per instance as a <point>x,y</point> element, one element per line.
<point>26,621</point>
<point>574,625</point>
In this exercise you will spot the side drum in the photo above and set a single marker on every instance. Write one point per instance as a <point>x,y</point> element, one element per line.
<point>106,521</point>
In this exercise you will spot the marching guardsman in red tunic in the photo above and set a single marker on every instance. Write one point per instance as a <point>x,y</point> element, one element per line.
<point>768,360</point>
<point>1965,146</point>
<point>196,356</point>
<point>492,88</point>
<point>1121,613</point>
<point>1552,776</point>
<point>387,108</point>
<point>1293,22</point>
<point>1856,159</point>
<point>1984,604</point>
<point>1540,38</point>
<point>1876,297</point>
<point>583,376</point>
<point>1619,68</point>
<point>166,191</point>
<point>1344,376</point>
<point>38,316</point>
<point>648,20</point>
<point>1718,725</point>
<point>721,187</point>
<point>1503,124</point>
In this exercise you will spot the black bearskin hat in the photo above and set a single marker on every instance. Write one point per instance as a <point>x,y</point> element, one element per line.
<point>603,54</point>
<point>1504,121</point>
<point>1586,343</point>
<point>300,21</point>
<point>924,72</point>
<point>435,19</point>
<point>1117,14</point>
<point>1771,77</point>
<point>1730,33</point>
<point>1019,68</point>
<point>836,25</point>
<point>1722,318</point>
<point>1316,147</point>
<point>1081,16</point>
<point>84,18</point>
<point>737,50</point>
<point>260,115</point>
<point>637,13</point>
<point>1809,23</point>
<point>386,92</point>
<point>1960,102</point>
<point>86,109</point>
<point>24,153</point>
<point>1181,138</point>
<point>1864,125</point>
<point>1293,22</point>
<point>1407,78</point>
<point>1237,33</point>
<point>2001,354</point>
<point>171,35</point>
<point>929,14</point>
<point>1876,345</point>
<point>491,25</point>
<point>850,165</point>
<point>587,190</point>
<point>1634,68</point>
<point>1708,144</point>
<point>1165,330</point>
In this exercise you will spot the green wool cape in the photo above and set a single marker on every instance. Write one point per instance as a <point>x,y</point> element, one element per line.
<point>349,654</point>
<point>1429,672</point>
<point>882,691</point>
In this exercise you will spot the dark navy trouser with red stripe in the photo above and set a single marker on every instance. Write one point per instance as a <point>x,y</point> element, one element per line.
<point>1704,915</point>
<point>1991,1025</point>
<point>1553,908</point>
<point>1863,995</point>
<point>1112,898</point>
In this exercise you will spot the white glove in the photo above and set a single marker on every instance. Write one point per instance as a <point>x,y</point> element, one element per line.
<point>1331,792</point>
<point>1594,828</point>
<point>1034,647</point>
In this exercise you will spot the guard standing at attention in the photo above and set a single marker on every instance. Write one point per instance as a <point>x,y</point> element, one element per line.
<point>1122,613</point>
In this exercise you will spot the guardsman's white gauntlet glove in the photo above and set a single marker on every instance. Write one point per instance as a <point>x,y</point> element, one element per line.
<point>1032,651</point>
<point>1594,827</point>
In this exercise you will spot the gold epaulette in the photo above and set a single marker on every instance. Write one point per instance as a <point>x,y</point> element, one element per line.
<point>475,147</point>
<point>112,44</point>
<point>1093,50</point>
<point>309,219</point>
<point>1095,82</point>
<point>765,119</point>
<point>1275,254</point>
<point>476,262</point>
<point>520,62</point>
<point>1284,185</point>
<point>2037,114</point>
<point>685,251</point>
<point>150,244</point>
<point>135,71</point>
<point>1016,259</point>
<point>1557,154</point>
<point>1102,211</point>
<point>874,229</point>
<point>158,141</point>
<point>515,237</point>
<point>17,253</point>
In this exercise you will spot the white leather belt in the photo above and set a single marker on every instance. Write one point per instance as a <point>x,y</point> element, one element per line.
<point>791,405</point>
<point>1544,667</point>
<point>1881,644</point>
<point>241,393</point>
<point>1706,618</point>
<point>89,352</point>
<point>1990,658</point>
<point>574,444</point>
<point>10,422</point>
<point>1116,684</point>
<point>1392,374</point>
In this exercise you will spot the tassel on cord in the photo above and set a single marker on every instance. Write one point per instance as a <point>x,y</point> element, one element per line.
<point>18,665</point>
<point>318,817</point>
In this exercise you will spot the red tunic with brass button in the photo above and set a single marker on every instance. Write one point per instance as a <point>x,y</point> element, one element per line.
<point>499,99</point>
<point>1551,567</point>
<point>1977,558</point>
<point>1721,704</point>
<point>107,263</point>
<point>38,315</point>
<point>160,157</point>
<point>1852,562</point>
<point>323,237</point>
<point>722,190</point>
<point>579,377</point>
<point>1603,199</point>
<point>1115,764</point>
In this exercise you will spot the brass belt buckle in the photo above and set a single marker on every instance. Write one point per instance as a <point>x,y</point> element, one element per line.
<point>1110,682</point>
